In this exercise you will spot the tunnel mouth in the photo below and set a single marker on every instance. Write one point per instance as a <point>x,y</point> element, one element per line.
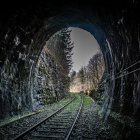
<point>44,85</point>
<point>24,32</point>
<point>94,26</point>
<point>88,62</point>
<point>26,69</point>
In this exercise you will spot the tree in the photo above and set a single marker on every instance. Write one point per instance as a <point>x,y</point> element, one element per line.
<point>95,69</point>
<point>72,76</point>
<point>90,75</point>
<point>81,75</point>
<point>53,68</point>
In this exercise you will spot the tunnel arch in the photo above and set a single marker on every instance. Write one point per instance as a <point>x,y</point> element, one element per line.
<point>55,24</point>
<point>113,31</point>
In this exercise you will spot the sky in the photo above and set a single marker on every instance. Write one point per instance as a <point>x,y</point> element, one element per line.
<point>85,46</point>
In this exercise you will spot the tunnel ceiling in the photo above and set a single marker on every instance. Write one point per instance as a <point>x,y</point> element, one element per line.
<point>115,25</point>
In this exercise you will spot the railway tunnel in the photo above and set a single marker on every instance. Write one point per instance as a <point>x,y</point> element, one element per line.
<point>26,28</point>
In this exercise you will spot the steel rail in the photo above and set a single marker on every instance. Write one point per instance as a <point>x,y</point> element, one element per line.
<point>20,136</point>
<point>76,118</point>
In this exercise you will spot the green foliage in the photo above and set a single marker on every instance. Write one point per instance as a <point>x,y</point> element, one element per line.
<point>87,101</point>
<point>54,66</point>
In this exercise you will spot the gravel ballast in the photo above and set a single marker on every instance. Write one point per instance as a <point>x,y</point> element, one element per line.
<point>90,125</point>
<point>12,129</point>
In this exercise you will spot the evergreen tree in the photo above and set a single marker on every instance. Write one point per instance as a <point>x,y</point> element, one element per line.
<point>54,65</point>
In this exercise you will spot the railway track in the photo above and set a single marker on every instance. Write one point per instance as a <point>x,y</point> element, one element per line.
<point>58,126</point>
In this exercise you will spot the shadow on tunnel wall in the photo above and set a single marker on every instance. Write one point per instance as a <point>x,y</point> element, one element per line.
<point>24,31</point>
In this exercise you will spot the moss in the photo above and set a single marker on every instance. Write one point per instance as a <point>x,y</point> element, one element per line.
<point>75,105</point>
<point>87,101</point>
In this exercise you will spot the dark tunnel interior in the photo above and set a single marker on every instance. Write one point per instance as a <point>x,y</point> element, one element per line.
<point>24,30</point>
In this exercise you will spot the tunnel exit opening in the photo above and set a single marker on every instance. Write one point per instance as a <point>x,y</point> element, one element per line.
<point>68,62</point>
<point>21,97</point>
<point>25,30</point>
<point>93,27</point>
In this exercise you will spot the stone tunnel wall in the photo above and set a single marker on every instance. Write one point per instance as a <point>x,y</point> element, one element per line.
<point>23,36</point>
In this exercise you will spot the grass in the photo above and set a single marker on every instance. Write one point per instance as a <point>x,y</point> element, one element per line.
<point>87,101</point>
<point>7,121</point>
<point>75,103</point>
